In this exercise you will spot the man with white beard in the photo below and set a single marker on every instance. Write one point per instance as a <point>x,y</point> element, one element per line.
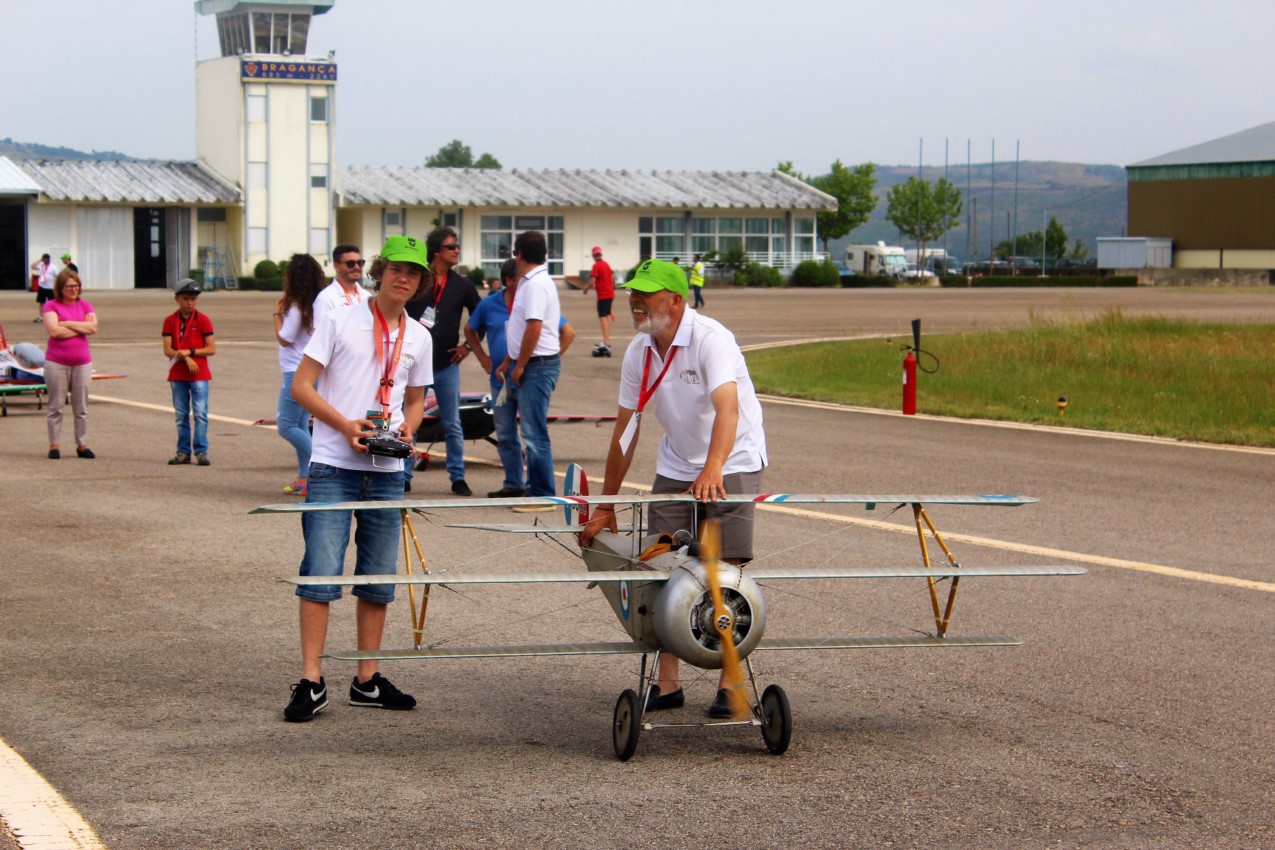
<point>690,367</point>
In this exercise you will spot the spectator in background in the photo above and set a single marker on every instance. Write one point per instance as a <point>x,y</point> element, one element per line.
<point>345,288</point>
<point>188,343</point>
<point>70,321</point>
<point>488,322</point>
<point>67,264</point>
<point>45,274</point>
<point>603,279</point>
<point>697,282</point>
<point>439,310</point>
<point>532,363</point>
<point>293,326</point>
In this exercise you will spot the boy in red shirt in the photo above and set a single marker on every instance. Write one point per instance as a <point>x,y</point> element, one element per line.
<point>188,343</point>
<point>601,277</point>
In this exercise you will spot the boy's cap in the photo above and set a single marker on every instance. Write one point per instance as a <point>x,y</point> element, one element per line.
<point>654,275</point>
<point>596,250</point>
<point>404,249</point>
<point>66,256</point>
<point>186,286</point>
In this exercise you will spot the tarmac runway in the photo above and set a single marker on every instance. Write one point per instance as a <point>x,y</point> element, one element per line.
<point>147,648</point>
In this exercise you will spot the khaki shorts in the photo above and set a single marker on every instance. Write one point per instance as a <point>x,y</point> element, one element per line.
<point>736,520</point>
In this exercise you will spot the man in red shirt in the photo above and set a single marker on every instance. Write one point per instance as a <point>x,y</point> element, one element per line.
<point>601,277</point>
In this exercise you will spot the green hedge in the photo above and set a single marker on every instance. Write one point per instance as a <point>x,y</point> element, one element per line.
<point>814,273</point>
<point>755,274</point>
<point>252,284</point>
<point>1027,281</point>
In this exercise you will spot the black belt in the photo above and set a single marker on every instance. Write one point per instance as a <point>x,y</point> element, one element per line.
<point>542,357</point>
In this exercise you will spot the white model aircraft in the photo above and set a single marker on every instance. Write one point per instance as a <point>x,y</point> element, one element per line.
<point>672,594</point>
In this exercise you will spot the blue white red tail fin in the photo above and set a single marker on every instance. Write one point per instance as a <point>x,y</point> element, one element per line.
<point>576,483</point>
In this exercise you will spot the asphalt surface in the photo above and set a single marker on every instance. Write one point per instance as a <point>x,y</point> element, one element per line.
<point>147,649</point>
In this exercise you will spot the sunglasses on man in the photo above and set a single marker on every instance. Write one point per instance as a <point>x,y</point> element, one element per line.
<point>354,264</point>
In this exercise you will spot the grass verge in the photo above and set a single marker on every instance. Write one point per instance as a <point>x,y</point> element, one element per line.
<point>1163,377</point>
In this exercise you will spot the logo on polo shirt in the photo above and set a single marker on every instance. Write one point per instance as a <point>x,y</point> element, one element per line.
<point>690,376</point>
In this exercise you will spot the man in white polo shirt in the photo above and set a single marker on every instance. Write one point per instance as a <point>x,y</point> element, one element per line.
<point>531,367</point>
<point>689,370</point>
<point>345,289</point>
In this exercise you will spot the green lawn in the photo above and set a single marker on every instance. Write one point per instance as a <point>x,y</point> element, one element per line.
<point>1164,377</point>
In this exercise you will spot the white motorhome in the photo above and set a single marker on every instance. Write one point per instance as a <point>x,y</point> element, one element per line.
<point>878,259</point>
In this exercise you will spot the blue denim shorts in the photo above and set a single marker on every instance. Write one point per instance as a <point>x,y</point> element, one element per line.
<point>327,533</point>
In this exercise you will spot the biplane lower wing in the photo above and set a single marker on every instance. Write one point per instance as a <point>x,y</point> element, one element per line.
<point>774,573</point>
<point>525,527</point>
<point>600,577</point>
<point>883,642</point>
<point>868,501</point>
<point>536,650</point>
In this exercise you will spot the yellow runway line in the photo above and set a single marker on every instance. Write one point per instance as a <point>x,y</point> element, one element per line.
<point>36,813</point>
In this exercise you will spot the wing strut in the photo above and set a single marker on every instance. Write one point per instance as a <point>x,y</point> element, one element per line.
<point>943,619</point>
<point>418,616</point>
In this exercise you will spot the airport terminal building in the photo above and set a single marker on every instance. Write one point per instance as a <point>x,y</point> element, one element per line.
<point>264,184</point>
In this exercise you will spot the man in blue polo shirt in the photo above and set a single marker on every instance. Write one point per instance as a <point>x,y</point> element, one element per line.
<point>488,322</point>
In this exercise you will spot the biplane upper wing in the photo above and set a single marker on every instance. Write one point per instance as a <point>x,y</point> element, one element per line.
<point>869,501</point>
<point>601,577</point>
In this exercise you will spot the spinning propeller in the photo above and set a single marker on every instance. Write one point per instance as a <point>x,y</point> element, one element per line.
<point>732,673</point>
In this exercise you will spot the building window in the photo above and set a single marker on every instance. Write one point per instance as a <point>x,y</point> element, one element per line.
<point>256,108</point>
<point>497,235</point>
<point>318,110</point>
<point>210,215</point>
<point>670,237</point>
<point>318,241</point>
<point>256,240</point>
<point>256,175</point>
<point>803,242</point>
<point>318,177</point>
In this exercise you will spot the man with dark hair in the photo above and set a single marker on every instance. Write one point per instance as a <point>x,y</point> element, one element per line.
<point>45,274</point>
<point>439,309</point>
<point>345,289</point>
<point>488,323</point>
<point>713,441</point>
<point>366,366</point>
<point>532,364</point>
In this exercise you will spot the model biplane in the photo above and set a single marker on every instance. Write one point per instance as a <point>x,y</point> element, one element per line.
<point>672,594</point>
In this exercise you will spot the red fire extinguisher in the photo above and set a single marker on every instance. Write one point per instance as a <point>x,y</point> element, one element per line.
<point>909,384</point>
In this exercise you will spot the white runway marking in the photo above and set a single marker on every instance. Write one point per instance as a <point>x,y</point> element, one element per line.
<point>36,813</point>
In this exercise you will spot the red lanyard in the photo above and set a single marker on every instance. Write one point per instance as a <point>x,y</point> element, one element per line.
<point>183,328</point>
<point>644,395</point>
<point>349,299</point>
<point>439,286</point>
<point>388,368</point>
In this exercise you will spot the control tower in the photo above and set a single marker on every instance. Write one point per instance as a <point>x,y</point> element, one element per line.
<point>264,120</point>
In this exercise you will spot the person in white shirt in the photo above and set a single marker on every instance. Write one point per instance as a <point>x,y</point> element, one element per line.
<point>691,371</point>
<point>531,367</point>
<point>293,326</point>
<point>345,289</point>
<point>365,369</point>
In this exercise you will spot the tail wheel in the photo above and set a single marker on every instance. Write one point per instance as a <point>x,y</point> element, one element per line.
<point>626,725</point>
<point>776,719</point>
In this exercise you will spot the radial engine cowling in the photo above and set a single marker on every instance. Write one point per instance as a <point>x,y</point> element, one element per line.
<point>683,615</point>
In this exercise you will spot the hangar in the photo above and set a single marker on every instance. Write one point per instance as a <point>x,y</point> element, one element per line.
<point>1215,200</point>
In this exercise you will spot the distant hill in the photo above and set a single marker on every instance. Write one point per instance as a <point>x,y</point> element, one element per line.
<point>30,150</point>
<point>1088,200</point>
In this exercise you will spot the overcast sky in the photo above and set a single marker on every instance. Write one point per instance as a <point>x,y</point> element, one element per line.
<point>678,84</point>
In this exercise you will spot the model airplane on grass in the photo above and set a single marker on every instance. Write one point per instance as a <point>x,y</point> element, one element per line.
<point>673,594</point>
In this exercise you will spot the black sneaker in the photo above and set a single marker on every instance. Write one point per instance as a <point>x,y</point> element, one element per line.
<point>308,699</point>
<point>656,701</point>
<point>379,692</point>
<point>460,488</point>
<point>179,458</point>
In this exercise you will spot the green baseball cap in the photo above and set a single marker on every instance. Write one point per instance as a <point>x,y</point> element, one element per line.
<point>404,249</point>
<point>654,275</point>
<point>66,256</point>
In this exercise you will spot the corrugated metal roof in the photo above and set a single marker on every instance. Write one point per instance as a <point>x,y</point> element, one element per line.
<point>488,187</point>
<point>14,181</point>
<point>1253,145</point>
<point>129,182</point>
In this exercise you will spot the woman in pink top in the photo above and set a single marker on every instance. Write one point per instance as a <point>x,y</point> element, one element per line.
<point>67,362</point>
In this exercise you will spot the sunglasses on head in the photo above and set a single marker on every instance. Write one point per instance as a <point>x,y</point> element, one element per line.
<point>354,264</point>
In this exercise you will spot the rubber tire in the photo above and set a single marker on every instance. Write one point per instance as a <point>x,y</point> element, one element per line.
<point>776,719</point>
<point>626,725</point>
